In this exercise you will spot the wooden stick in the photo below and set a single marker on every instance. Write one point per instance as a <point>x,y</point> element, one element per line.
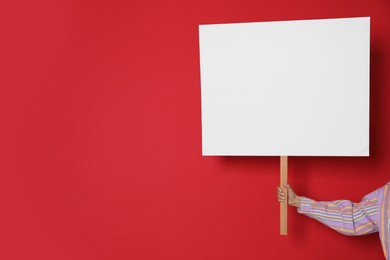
<point>284,204</point>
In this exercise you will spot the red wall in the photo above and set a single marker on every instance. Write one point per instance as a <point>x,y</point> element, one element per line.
<point>100,153</point>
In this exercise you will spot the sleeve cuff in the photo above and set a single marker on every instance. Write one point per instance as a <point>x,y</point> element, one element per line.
<point>305,206</point>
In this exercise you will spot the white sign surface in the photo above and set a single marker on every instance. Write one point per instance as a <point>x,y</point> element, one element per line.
<point>295,88</point>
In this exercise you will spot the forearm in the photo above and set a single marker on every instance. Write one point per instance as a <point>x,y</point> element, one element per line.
<point>343,216</point>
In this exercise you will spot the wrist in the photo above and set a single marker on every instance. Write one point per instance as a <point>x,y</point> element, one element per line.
<point>296,202</point>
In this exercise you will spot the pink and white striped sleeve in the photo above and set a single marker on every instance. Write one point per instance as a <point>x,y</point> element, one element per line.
<point>344,216</point>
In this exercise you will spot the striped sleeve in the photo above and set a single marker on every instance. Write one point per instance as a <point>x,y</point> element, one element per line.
<point>344,216</point>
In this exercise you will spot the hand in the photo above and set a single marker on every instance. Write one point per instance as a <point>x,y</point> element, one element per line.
<point>293,199</point>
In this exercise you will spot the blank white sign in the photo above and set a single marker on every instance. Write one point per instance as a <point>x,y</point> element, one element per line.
<point>289,88</point>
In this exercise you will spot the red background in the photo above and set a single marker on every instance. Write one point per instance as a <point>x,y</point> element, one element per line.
<point>100,149</point>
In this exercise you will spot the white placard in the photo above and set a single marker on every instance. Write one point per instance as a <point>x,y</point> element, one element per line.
<point>295,88</point>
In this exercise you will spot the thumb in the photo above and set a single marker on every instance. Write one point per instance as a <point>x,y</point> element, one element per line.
<point>289,189</point>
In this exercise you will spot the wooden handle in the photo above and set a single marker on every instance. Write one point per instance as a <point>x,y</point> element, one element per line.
<point>284,204</point>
